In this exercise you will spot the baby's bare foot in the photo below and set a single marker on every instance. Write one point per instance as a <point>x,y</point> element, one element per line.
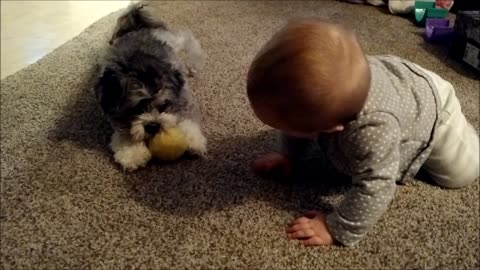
<point>273,165</point>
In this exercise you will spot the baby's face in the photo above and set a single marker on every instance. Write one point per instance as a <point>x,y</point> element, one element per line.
<point>285,123</point>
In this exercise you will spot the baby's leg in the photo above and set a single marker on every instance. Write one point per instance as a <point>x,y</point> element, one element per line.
<point>279,165</point>
<point>272,165</point>
<point>454,161</point>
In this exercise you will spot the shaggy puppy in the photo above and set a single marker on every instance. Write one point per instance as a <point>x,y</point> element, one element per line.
<point>142,86</point>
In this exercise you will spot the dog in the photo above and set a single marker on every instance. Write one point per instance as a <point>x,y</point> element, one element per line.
<point>142,85</point>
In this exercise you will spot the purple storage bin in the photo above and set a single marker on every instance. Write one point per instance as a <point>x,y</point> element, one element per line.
<point>438,30</point>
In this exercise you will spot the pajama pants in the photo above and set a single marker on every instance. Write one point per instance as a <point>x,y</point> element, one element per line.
<point>454,161</point>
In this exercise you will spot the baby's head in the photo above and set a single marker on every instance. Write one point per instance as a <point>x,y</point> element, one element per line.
<point>311,77</point>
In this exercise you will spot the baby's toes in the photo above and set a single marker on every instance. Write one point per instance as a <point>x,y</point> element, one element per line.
<point>298,227</point>
<point>312,241</point>
<point>300,220</point>
<point>306,233</point>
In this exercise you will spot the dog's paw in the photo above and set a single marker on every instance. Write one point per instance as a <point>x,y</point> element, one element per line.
<point>198,148</point>
<point>191,72</point>
<point>197,143</point>
<point>133,157</point>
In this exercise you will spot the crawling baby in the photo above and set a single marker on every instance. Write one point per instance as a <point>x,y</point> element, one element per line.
<point>376,118</point>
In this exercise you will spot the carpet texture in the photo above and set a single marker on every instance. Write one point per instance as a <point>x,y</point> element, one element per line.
<point>66,205</point>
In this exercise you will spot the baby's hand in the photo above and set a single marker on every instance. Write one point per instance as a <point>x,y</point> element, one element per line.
<point>272,165</point>
<point>311,230</point>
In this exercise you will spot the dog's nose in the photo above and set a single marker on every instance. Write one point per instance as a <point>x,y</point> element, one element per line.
<point>152,128</point>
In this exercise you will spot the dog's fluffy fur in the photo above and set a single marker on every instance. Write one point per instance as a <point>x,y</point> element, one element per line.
<point>142,86</point>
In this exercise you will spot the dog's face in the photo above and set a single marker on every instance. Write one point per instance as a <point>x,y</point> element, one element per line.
<point>141,96</point>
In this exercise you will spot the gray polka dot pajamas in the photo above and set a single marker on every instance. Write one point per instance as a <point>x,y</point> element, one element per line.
<point>387,143</point>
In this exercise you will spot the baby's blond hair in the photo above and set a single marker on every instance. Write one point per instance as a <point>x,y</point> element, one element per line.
<point>310,68</point>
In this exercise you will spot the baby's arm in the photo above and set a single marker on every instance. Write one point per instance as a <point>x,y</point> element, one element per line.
<point>373,149</point>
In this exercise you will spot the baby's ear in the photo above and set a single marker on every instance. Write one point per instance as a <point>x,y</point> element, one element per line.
<point>339,127</point>
<point>336,128</point>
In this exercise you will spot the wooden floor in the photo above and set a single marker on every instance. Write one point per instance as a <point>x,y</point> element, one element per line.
<point>32,29</point>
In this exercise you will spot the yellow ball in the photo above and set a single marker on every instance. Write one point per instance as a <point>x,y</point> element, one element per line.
<point>168,145</point>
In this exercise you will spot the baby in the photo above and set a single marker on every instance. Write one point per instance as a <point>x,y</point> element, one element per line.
<point>375,118</point>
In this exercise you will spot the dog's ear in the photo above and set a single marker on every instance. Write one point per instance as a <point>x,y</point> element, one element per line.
<point>109,91</point>
<point>177,80</point>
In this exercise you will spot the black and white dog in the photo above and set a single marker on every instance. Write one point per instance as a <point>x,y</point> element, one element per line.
<point>142,86</point>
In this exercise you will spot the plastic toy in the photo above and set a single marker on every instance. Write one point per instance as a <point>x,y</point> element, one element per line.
<point>427,9</point>
<point>438,30</point>
<point>168,145</point>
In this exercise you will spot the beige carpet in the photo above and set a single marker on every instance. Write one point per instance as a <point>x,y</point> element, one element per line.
<point>66,205</point>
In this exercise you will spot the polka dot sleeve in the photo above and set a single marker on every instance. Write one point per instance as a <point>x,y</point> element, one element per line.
<point>372,149</point>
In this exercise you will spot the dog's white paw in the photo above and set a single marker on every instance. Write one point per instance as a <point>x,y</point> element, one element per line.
<point>197,143</point>
<point>133,157</point>
<point>198,146</point>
